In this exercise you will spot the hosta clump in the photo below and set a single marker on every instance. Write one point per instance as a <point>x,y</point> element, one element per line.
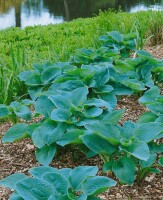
<point>128,151</point>
<point>80,183</point>
<point>154,102</point>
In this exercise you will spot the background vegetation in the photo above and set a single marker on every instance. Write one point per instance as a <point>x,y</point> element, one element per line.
<point>19,49</point>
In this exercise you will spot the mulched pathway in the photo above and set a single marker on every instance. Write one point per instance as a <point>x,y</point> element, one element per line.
<point>19,157</point>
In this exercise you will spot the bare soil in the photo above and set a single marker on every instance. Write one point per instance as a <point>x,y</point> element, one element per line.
<point>20,156</point>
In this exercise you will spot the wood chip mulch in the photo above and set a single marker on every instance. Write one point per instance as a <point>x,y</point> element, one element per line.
<point>20,157</point>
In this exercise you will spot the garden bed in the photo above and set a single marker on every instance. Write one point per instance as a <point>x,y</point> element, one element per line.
<point>19,157</point>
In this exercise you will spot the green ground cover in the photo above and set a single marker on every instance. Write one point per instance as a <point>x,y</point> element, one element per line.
<point>19,49</point>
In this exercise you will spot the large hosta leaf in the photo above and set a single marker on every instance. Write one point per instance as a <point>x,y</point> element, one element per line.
<point>96,185</point>
<point>148,131</point>
<point>58,182</point>
<point>45,154</point>
<point>23,112</point>
<point>93,112</point>
<point>109,132</point>
<point>61,115</point>
<point>147,117</point>
<point>150,95</point>
<point>38,172</point>
<point>124,169</point>
<point>49,74</point>
<point>156,108</point>
<point>113,117</point>
<point>44,106</point>
<point>10,181</point>
<point>61,101</point>
<point>79,174</point>
<point>98,144</point>
<point>16,132</point>
<point>4,111</point>
<point>47,133</point>
<point>138,149</point>
<point>149,162</point>
<point>79,96</point>
<point>33,188</point>
<point>71,137</point>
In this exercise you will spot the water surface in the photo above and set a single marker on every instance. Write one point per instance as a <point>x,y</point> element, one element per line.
<point>22,13</point>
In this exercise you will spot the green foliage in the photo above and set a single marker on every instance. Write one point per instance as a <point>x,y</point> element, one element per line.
<point>77,101</point>
<point>19,49</point>
<point>51,183</point>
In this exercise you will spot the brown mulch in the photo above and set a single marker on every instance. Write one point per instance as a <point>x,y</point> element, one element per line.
<point>20,157</point>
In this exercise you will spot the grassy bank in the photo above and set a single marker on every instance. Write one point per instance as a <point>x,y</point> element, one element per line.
<point>19,49</point>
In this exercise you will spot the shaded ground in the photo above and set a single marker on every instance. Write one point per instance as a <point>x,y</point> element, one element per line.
<point>19,157</point>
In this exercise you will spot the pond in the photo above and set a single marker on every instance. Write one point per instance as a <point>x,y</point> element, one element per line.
<point>22,13</point>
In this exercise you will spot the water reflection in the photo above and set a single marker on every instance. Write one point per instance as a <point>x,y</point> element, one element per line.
<point>23,13</point>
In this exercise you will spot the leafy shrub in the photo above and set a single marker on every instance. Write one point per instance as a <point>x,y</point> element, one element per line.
<point>80,183</point>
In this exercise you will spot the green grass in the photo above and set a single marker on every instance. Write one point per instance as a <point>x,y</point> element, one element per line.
<point>19,49</point>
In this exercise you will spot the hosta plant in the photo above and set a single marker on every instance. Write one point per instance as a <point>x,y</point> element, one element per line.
<point>126,151</point>
<point>48,183</point>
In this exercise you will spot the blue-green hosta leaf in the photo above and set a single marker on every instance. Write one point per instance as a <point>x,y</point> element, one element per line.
<point>104,89</point>
<point>61,101</point>
<point>79,96</point>
<point>71,85</point>
<point>107,131</point>
<point>124,169</point>
<point>98,144</point>
<point>148,131</point>
<point>25,75</point>
<point>93,112</point>
<point>79,174</point>
<point>58,182</point>
<point>15,196</point>
<point>83,197</point>
<point>156,148</point>
<point>34,91</point>
<point>120,89</point>
<point>16,132</point>
<point>150,95</point>
<point>98,103</point>
<point>61,115</point>
<point>23,112</point>
<point>71,137</point>
<point>111,101</point>
<point>149,162</point>
<point>4,111</point>
<point>122,67</point>
<point>160,119</point>
<point>113,117</point>
<point>116,36</point>
<point>66,172</point>
<point>44,106</point>
<point>38,172</point>
<point>156,108</point>
<point>96,185</point>
<point>147,117</point>
<point>160,161</point>
<point>34,188</point>
<point>33,80</point>
<point>128,130</point>
<point>85,121</point>
<point>134,85</point>
<point>10,181</point>
<point>101,77</point>
<point>47,133</point>
<point>138,149</point>
<point>45,155</point>
<point>49,74</point>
